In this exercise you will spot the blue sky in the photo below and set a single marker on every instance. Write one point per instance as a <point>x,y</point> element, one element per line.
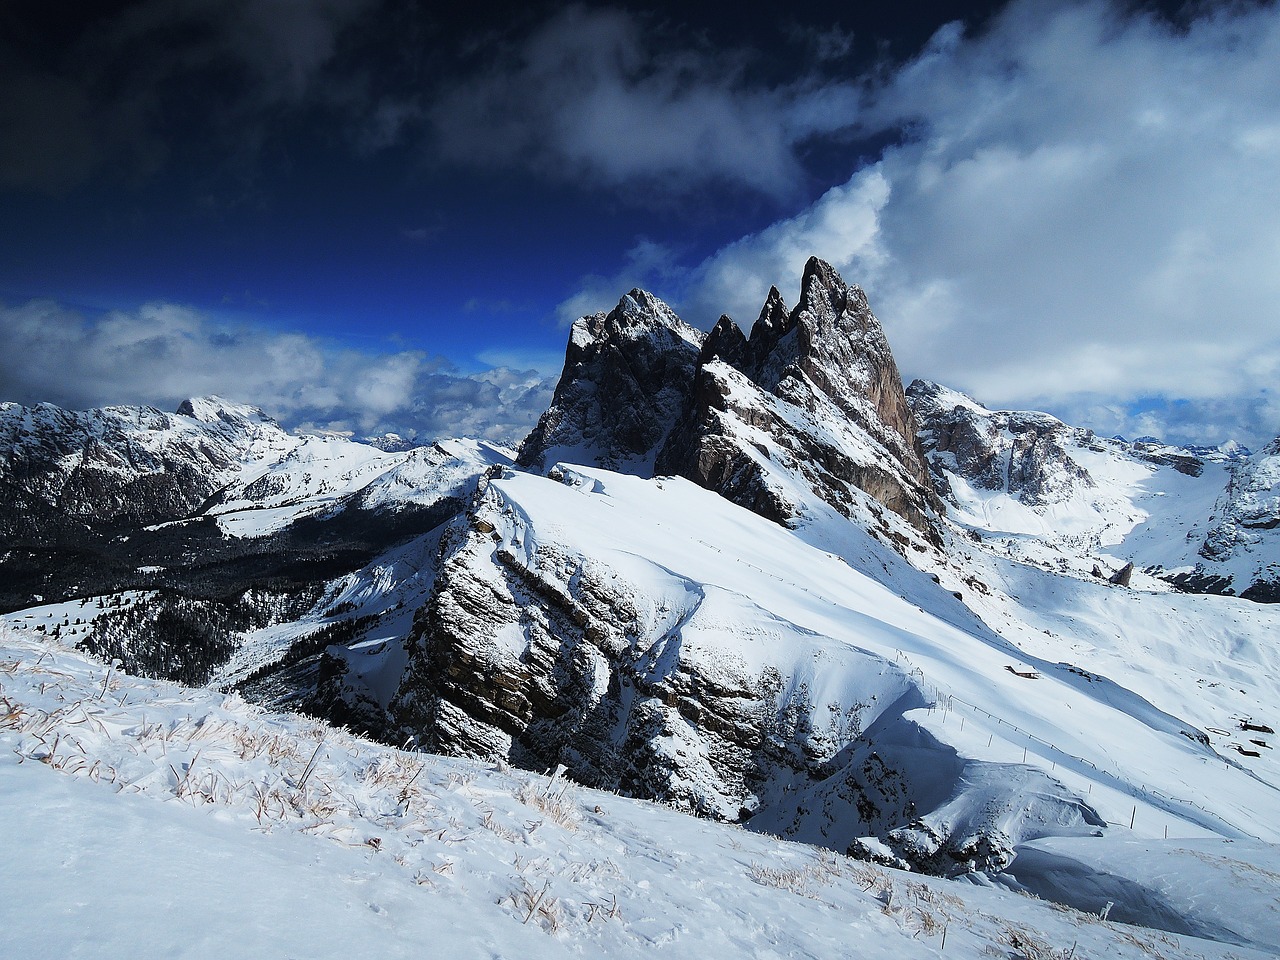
<point>365,216</point>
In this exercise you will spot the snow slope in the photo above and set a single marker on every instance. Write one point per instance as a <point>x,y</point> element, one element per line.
<point>135,810</point>
<point>998,737</point>
<point>324,475</point>
<point>1061,497</point>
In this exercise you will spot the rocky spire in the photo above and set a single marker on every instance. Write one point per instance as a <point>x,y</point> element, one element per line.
<point>842,350</point>
<point>829,357</point>
<point>626,379</point>
<point>725,342</point>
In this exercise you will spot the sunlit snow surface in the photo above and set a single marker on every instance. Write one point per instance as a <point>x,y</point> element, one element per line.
<point>1124,683</point>
<point>145,820</point>
<point>323,474</point>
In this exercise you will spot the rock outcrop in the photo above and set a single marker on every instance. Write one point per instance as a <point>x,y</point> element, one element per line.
<point>814,397</point>
<point>1243,544</point>
<point>626,380</point>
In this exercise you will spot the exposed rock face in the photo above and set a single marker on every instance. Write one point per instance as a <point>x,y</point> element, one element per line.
<point>60,469</point>
<point>1244,543</point>
<point>1023,454</point>
<point>812,396</point>
<point>626,379</point>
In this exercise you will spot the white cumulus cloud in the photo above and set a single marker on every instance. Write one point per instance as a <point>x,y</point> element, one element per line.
<point>162,354</point>
<point>1082,204</point>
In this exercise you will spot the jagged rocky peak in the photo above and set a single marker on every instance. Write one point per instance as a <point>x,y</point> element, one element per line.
<point>842,349</point>
<point>626,379</point>
<point>813,394</point>
<point>726,342</point>
<point>833,344</point>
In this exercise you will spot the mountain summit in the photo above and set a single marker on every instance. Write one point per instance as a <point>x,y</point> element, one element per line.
<point>813,398</point>
<point>626,379</point>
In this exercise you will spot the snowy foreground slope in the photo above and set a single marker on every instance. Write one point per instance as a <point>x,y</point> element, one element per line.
<point>143,819</point>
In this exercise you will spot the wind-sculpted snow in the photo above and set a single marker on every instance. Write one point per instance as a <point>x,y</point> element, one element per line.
<point>660,641</point>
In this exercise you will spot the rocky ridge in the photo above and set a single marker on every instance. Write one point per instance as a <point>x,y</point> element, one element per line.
<point>626,654</point>
<point>1200,519</point>
<point>812,396</point>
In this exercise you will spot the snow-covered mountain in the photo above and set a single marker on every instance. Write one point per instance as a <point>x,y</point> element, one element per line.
<point>752,577</point>
<point>232,527</point>
<point>124,464</point>
<point>134,466</point>
<point>1203,519</point>
<point>669,644</point>
<point>627,377</point>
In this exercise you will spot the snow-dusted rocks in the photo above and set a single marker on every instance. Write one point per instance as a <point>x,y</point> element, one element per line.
<point>64,469</point>
<point>626,379</point>
<point>1202,519</point>
<point>1243,544</point>
<point>660,641</point>
<point>813,398</point>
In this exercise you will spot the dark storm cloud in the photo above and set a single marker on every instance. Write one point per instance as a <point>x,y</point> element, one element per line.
<point>124,89</point>
<point>162,353</point>
<point>609,98</point>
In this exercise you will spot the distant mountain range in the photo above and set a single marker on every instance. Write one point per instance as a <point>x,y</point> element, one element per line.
<point>745,573</point>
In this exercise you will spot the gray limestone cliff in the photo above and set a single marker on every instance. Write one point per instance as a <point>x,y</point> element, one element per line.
<point>626,380</point>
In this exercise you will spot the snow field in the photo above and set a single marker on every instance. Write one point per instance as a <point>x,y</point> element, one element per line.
<point>185,823</point>
<point>764,598</point>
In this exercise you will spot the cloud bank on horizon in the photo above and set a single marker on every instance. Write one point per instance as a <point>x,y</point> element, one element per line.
<point>162,354</point>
